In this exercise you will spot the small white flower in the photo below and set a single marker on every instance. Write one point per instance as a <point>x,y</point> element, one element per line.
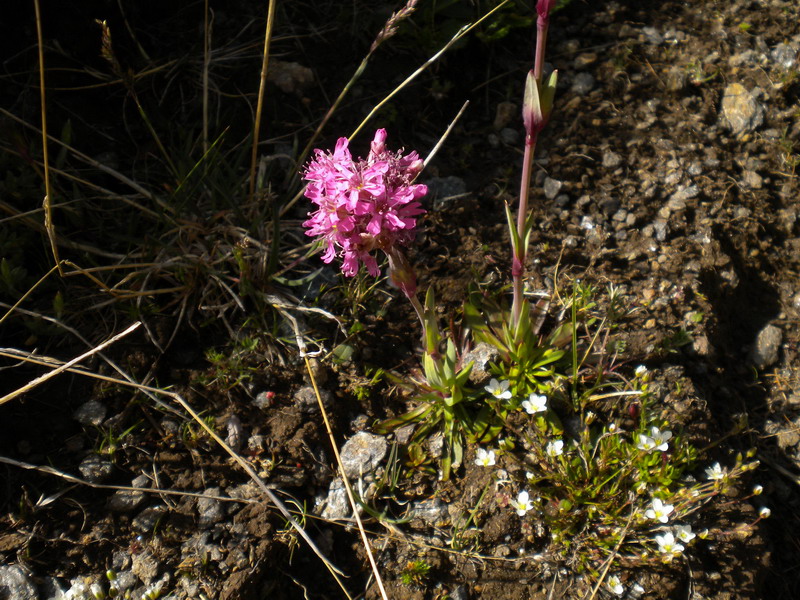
<point>641,371</point>
<point>668,545</point>
<point>661,438</point>
<point>529,475</point>
<point>499,389</point>
<point>757,489</point>
<point>645,443</point>
<point>484,458</point>
<point>522,504</point>
<point>612,427</point>
<point>535,404</point>
<point>659,511</point>
<point>684,533</point>
<point>555,448</point>
<point>715,472</point>
<point>764,513</point>
<point>657,440</point>
<point>615,585</point>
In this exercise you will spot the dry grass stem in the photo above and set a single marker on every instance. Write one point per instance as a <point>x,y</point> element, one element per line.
<point>47,376</point>
<point>48,193</point>
<point>261,91</point>
<point>346,482</point>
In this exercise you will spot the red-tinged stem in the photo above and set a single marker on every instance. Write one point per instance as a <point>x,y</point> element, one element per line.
<point>518,261</point>
<point>518,264</point>
<point>541,40</point>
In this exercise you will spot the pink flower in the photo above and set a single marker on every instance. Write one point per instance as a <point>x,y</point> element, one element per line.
<point>363,205</point>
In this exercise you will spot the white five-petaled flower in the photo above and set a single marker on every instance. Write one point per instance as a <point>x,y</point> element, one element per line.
<point>684,533</point>
<point>615,585</point>
<point>668,545</point>
<point>522,504</point>
<point>657,440</point>
<point>764,513</point>
<point>659,511</point>
<point>645,443</point>
<point>499,389</point>
<point>661,438</point>
<point>715,472</point>
<point>484,458</point>
<point>555,448</point>
<point>535,403</point>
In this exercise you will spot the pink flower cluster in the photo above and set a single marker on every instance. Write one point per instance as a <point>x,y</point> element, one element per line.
<point>365,204</point>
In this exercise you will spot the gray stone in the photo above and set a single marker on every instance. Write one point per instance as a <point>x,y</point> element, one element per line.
<point>432,512</point>
<point>764,352</point>
<point>752,180</point>
<point>676,79</point>
<point>264,400</point>
<point>509,136</point>
<point>482,355</point>
<point>95,468</point>
<point>15,584</point>
<point>444,190</point>
<point>505,114</point>
<point>784,56</point>
<point>660,230</point>
<point>125,580</point>
<point>740,110</point>
<point>337,506</point>
<point>235,433</point>
<point>146,521</point>
<point>652,35</point>
<point>209,510</point>
<point>460,593</point>
<point>50,588</point>
<point>90,413</point>
<point>125,500</point>
<point>685,192</point>
<point>307,398</point>
<point>145,566</point>
<point>582,84</point>
<point>611,159</point>
<point>551,187</point>
<point>362,453</point>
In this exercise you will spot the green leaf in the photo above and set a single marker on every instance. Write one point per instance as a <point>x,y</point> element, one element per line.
<point>431,368</point>
<point>412,416</point>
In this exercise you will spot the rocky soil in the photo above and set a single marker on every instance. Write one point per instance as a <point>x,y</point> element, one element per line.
<point>668,170</point>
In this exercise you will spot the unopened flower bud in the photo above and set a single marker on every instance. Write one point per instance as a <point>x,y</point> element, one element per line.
<point>757,489</point>
<point>97,592</point>
<point>764,513</point>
